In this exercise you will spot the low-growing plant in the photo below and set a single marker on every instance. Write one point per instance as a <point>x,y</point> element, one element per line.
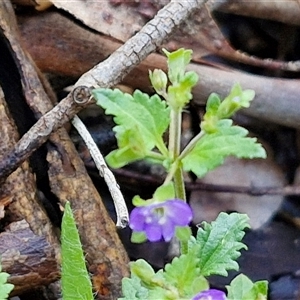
<point>141,123</point>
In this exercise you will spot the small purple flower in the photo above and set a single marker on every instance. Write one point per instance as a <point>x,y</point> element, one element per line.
<point>210,295</point>
<point>159,220</point>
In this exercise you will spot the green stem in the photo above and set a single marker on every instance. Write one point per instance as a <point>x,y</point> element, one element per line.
<point>190,146</point>
<point>162,148</point>
<point>176,169</point>
<point>174,149</point>
<point>156,156</point>
<point>179,184</point>
<point>175,133</point>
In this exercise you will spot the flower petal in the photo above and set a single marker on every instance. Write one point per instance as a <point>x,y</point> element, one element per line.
<point>153,232</point>
<point>168,229</point>
<point>137,218</point>
<point>210,295</point>
<point>179,212</point>
<point>159,220</point>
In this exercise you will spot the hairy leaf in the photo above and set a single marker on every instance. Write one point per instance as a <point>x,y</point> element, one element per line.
<point>149,285</point>
<point>211,150</point>
<point>220,243</point>
<point>132,289</point>
<point>141,120</point>
<point>183,271</point>
<point>242,288</point>
<point>75,280</point>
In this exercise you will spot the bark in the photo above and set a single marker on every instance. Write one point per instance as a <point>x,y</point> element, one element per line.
<point>29,247</point>
<point>276,99</point>
<point>281,11</point>
<point>106,257</point>
<point>28,258</point>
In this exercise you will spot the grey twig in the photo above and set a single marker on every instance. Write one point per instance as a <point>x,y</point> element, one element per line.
<point>105,74</point>
<point>105,172</point>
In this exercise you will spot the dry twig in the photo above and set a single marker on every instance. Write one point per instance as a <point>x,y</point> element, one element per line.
<point>105,172</point>
<point>107,73</point>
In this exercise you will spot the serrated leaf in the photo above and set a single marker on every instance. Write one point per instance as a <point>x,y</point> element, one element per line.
<point>141,121</point>
<point>211,150</point>
<point>242,288</point>
<point>132,289</point>
<point>75,280</point>
<point>154,282</point>
<point>220,243</point>
<point>183,271</point>
<point>142,270</point>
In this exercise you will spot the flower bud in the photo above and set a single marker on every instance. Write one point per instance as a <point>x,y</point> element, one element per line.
<point>159,81</point>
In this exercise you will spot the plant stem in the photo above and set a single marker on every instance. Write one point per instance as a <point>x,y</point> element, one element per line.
<point>174,149</point>
<point>162,148</point>
<point>190,146</point>
<point>156,156</point>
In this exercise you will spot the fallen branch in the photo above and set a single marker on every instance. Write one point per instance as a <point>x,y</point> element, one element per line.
<point>276,99</point>
<point>106,74</point>
<point>281,11</point>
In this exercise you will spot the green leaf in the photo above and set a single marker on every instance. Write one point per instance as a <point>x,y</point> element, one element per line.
<point>217,110</point>
<point>209,124</point>
<point>141,121</point>
<point>132,289</point>
<point>211,150</point>
<point>183,233</point>
<point>182,273</point>
<point>75,280</point>
<point>138,201</point>
<point>236,100</point>
<point>131,145</point>
<point>220,243</point>
<point>136,288</point>
<point>179,94</point>
<point>5,288</point>
<point>242,288</point>
<point>142,270</point>
<point>177,62</point>
<point>164,192</point>
<point>138,237</point>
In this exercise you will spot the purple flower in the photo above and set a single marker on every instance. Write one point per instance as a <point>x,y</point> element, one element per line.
<point>159,220</point>
<point>210,295</point>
